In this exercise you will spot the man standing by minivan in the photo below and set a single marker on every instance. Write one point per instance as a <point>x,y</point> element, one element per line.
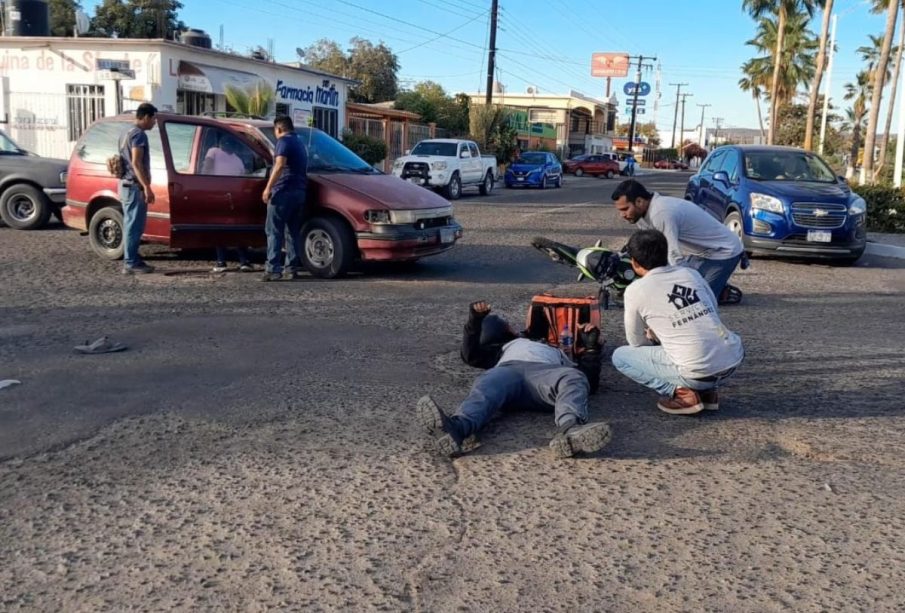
<point>285,198</point>
<point>135,191</point>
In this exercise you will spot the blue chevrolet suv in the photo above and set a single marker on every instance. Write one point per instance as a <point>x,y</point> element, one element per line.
<point>782,201</point>
<point>534,169</point>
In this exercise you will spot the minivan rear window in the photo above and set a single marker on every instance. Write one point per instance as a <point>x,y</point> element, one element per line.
<point>102,141</point>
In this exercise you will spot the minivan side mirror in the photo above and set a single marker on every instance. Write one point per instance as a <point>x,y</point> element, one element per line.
<point>721,176</point>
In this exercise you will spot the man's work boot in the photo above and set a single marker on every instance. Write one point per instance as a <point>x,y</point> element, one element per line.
<point>684,401</point>
<point>710,399</point>
<point>446,432</point>
<point>573,439</point>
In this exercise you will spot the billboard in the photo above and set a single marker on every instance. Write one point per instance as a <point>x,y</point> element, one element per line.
<point>609,64</point>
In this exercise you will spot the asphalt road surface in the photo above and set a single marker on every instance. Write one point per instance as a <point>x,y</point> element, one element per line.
<point>255,449</point>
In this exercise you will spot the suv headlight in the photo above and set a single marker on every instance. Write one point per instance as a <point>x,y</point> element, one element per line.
<point>377,216</point>
<point>438,166</point>
<point>398,164</point>
<point>858,207</point>
<point>767,203</point>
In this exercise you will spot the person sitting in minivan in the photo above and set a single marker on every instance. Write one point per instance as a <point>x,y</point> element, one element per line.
<point>223,160</point>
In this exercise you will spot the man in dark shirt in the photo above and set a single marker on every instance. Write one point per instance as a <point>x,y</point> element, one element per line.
<point>135,187</point>
<point>285,198</point>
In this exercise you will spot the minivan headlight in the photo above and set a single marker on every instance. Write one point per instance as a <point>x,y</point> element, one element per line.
<point>858,207</point>
<point>766,203</point>
<point>377,216</point>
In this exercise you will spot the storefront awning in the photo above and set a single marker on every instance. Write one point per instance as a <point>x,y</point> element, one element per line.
<point>211,79</point>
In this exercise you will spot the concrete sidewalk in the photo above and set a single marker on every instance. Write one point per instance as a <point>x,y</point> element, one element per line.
<point>886,245</point>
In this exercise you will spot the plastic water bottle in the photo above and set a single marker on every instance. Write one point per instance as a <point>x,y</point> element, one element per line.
<point>566,341</point>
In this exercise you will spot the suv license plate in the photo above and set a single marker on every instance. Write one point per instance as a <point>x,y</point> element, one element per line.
<point>447,235</point>
<point>820,236</point>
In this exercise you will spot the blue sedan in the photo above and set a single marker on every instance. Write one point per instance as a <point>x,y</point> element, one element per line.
<point>782,201</point>
<point>534,169</point>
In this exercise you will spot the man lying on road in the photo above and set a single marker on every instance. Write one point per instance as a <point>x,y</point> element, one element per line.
<point>524,374</point>
<point>677,344</point>
<point>696,239</point>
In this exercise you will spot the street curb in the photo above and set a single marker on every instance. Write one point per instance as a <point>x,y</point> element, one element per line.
<point>885,251</point>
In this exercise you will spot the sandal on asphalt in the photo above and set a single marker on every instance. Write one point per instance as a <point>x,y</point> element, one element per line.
<point>580,440</point>
<point>101,345</point>
<point>9,383</point>
<point>446,438</point>
<point>730,295</point>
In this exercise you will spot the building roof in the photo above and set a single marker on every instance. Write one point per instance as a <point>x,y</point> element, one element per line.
<point>379,110</point>
<point>32,42</point>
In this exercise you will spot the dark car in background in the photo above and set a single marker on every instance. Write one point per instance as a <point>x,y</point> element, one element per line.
<point>594,165</point>
<point>671,165</point>
<point>534,169</point>
<point>32,188</point>
<point>782,201</point>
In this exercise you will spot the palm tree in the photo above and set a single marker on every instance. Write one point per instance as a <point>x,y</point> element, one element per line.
<point>783,9</point>
<point>871,53</point>
<point>252,101</point>
<point>859,92</point>
<point>899,49</point>
<point>879,80</point>
<point>818,77</point>
<point>753,82</point>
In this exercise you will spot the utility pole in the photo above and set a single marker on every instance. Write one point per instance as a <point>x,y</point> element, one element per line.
<point>675,115</point>
<point>491,52</point>
<point>682,129</point>
<point>631,128</point>
<point>829,82</point>
<point>703,107</point>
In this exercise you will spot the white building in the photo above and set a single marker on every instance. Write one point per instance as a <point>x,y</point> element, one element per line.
<point>52,89</point>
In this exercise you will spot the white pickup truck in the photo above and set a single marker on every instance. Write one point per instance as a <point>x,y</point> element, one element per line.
<point>448,165</point>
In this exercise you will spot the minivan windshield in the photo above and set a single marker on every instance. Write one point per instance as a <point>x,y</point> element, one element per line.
<point>787,166</point>
<point>435,148</point>
<point>7,146</point>
<point>325,153</point>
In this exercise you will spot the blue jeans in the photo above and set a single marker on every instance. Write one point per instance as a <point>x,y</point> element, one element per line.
<point>135,213</point>
<point>525,385</point>
<point>284,221</point>
<point>715,272</point>
<point>650,366</point>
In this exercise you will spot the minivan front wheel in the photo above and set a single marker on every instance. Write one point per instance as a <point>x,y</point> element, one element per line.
<point>105,233</point>
<point>328,247</point>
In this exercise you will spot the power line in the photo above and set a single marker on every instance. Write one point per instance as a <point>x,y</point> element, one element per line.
<point>444,35</point>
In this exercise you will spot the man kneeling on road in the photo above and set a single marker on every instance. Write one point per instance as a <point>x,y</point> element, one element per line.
<point>696,239</point>
<point>525,374</point>
<point>677,344</point>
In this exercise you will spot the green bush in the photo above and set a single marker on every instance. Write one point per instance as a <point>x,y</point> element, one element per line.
<point>368,148</point>
<point>885,207</point>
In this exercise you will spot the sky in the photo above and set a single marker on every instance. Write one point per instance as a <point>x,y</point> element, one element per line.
<point>545,44</point>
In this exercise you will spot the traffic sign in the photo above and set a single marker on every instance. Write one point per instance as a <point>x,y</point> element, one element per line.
<point>638,102</point>
<point>643,88</point>
<point>640,110</point>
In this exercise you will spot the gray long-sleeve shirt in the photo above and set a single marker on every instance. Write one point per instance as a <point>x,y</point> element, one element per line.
<point>689,230</point>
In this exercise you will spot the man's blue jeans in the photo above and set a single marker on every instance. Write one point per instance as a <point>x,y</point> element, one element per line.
<point>525,385</point>
<point>284,221</point>
<point>650,366</point>
<point>135,213</point>
<point>715,272</point>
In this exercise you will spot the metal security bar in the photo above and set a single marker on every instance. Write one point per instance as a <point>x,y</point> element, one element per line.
<point>85,104</point>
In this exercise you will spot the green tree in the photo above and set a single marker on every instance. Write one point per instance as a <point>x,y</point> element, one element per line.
<point>373,66</point>
<point>648,130</point>
<point>897,67</point>
<point>782,10</point>
<point>432,103</point>
<point>793,126</point>
<point>797,57</point>
<point>754,82</point>
<point>253,101</point>
<point>818,76</point>
<point>62,16</point>
<point>877,83</point>
<point>858,92</point>
<point>138,18</point>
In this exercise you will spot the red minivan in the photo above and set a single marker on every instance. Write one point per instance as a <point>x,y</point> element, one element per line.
<point>356,212</point>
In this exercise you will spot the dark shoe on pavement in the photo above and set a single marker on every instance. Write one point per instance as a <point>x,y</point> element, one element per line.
<point>272,276</point>
<point>219,267</point>
<point>295,275</point>
<point>711,400</point>
<point>246,267</point>
<point>140,269</point>
<point>578,439</point>
<point>447,436</point>
<point>684,401</point>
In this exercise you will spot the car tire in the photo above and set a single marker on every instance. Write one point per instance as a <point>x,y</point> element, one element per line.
<point>25,207</point>
<point>733,221</point>
<point>579,172</point>
<point>453,189</point>
<point>487,185</point>
<point>543,182</point>
<point>106,232</point>
<point>328,247</point>
<point>559,181</point>
<point>609,174</point>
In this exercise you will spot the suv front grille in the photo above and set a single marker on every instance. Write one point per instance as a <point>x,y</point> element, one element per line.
<point>817,215</point>
<point>415,169</point>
